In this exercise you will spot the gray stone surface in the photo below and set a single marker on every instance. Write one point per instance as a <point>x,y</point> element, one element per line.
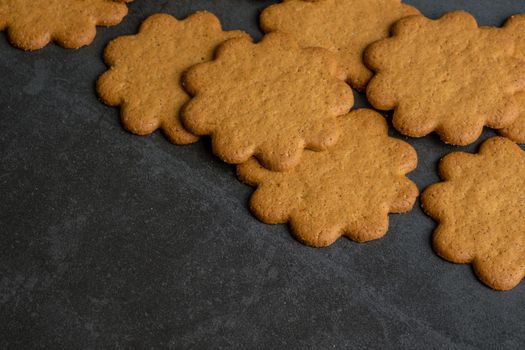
<point>113,241</point>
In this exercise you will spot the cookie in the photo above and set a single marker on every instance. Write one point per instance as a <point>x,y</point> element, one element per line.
<point>346,27</point>
<point>32,24</point>
<point>516,131</point>
<point>270,100</point>
<point>480,208</point>
<point>146,69</point>
<point>347,190</point>
<point>447,75</point>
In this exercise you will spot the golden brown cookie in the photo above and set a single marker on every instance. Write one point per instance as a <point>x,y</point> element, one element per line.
<point>480,208</point>
<point>346,27</point>
<point>516,131</point>
<point>446,75</point>
<point>270,100</point>
<point>32,24</point>
<point>347,190</point>
<point>146,69</point>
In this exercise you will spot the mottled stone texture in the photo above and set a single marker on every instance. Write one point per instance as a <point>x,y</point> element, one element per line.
<point>114,241</point>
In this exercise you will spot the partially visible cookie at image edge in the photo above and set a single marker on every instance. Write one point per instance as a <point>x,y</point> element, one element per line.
<point>515,26</point>
<point>346,27</point>
<point>32,24</point>
<point>447,75</point>
<point>480,208</point>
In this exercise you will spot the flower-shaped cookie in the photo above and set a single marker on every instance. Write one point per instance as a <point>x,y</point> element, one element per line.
<point>146,69</point>
<point>516,131</point>
<point>32,24</point>
<point>347,190</point>
<point>270,100</point>
<point>446,75</point>
<point>345,27</point>
<point>480,208</point>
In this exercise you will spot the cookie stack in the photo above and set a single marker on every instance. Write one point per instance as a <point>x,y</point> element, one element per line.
<point>280,109</point>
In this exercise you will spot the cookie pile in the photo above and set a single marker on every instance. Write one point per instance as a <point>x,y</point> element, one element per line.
<point>280,109</point>
<point>277,109</point>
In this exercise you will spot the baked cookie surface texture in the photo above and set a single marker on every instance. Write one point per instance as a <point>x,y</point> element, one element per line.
<point>347,190</point>
<point>516,131</point>
<point>346,27</point>
<point>32,24</point>
<point>447,75</point>
<point>145,72</point>
<point>480,208</point>
<point>270,100</point>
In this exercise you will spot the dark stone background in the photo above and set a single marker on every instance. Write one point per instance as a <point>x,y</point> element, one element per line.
<point>113,241</point>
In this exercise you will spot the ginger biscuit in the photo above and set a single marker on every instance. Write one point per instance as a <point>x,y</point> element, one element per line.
<point>447,75</point>
<point>347,190</point>
<point>480,208</point>
<point>516,131</point>
<point>32,24</point>
<point>270,100</point>
<point>346,27</point>
<point>145,72</point>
